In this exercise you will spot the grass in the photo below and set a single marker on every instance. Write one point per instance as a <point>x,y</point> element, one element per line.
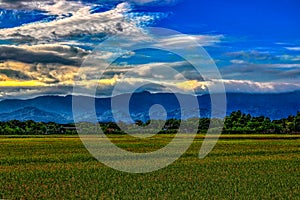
<point>245,167</point>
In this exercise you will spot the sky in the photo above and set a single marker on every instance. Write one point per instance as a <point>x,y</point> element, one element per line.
<point>45,45</point>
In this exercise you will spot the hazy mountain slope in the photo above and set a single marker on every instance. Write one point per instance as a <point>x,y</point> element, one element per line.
<point>59,108</point>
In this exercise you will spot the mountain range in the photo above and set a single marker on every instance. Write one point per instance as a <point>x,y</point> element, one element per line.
<point>59,108</point>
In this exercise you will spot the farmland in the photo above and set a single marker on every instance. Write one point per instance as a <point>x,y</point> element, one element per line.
<point>239,167</point>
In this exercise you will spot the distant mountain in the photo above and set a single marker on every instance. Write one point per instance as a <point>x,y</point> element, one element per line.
<point>32,113</point>
<point>59,108</point>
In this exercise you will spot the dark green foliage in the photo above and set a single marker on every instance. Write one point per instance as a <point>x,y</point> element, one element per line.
<point>239,123</point>
<point>296,123</point>
<point>236,123</point>
<point>16,127</point>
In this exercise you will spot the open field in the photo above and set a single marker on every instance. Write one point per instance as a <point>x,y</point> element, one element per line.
<point>242,167</point>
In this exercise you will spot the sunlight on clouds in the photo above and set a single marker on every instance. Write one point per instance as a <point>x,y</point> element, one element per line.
<point>108,82</point>
<point>44,73</point>
<point>45,56</point>
<point>16,83</point>
<point>14,65</point>
<point>192,85</point>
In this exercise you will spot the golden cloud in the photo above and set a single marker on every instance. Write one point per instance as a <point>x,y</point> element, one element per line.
<point>16,83</point>
<point>192,85</point>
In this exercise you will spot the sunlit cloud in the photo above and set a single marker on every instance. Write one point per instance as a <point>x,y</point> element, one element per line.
<point>44,57</point>
<point>192,85</point>
<point>18,83</point>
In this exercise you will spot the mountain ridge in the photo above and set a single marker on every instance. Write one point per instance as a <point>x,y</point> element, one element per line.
<point>273,105</point>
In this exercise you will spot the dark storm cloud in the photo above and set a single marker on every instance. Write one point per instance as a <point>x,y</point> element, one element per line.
<point>14,74</point>
<point>14,53</point>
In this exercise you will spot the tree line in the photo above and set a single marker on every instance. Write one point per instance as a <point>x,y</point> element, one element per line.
<point>236,123</point>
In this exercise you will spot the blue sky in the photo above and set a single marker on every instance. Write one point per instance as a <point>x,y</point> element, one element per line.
<point>255,44</point>
<point>257,19</point>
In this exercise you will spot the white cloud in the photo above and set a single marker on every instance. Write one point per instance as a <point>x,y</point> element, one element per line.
<point>59,7</point>
<point>237,61</point>
<point>278,65</point>
<point>290,57</point>
<point>247,86</point>
<point>180,41</point>
<point>71,4</point>
<point>81,22</point>
<point>62,50</point>
<point>293,48</point>
<point>24,4</point>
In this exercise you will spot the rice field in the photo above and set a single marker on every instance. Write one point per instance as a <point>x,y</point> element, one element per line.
<point>239,167</point>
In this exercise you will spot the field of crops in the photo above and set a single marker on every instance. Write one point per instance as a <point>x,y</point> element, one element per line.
<point>59,167</point>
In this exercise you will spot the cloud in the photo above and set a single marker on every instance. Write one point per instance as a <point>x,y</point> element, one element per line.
<point>268,57</point>
<point>63,81</point>
<point>80,23</point>
<point>46,56</point>
<point>192,85</point>
<point>60,7</point>
<point>179,41</point>
<point>164,71</point>
<point>23,4</point>
<point>251,55</point>
<point>8,74</point>
<point>48,77</point>
<point>261,66</point>
<point>159,70</point>
<point>290,58</point>
<point>31,92</point>
<point>61,4</point>
<point>247,86</point>
<point>17,83</point>
<point>51,7</point>
<point>39,65</point>
<point>48,63</point>
<point>283,65</point>
<point>262,72</point>
<point>45,73</point>
<point>293,48</point>
<point>58,54</point>
<point>235,61</point>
